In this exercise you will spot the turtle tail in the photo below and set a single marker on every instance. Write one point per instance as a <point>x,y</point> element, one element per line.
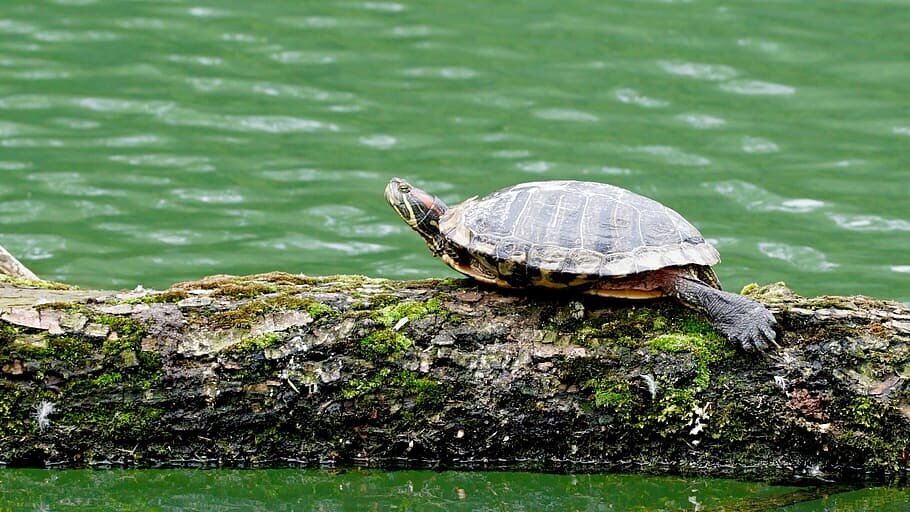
<point>742,320</point>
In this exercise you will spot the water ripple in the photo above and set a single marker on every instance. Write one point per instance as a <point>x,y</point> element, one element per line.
<point>758,145</point>
<point>16,212</point>
<point>383,6</point>
<point>183,162</point>
<point>606,170</point>
<point>14,166</point>
<point>760,45</point>
<point>239,37</point>
<point>414,31</point>
<point>62,36</point>
<point>757,88</point>
<point>696,70</point>
<point>118,105</point>
<point>207,12</point>
<point>674,156</point>
<point>75,124</point>
<point>869,222</point>
<point>280,124</point>
<point>378,141</point>
<point>349,247</point>
<point>804,258</point>
<point>9,129</point>
<point>32,143</point>
<point>755,198</point>
<point>448,73</point>
<point>511,153</point>
<point>632,97</point>
<point>701,121</point>
<point>276,89</point>
<point>312,22</point>
<point>8,26</point>
<point>535,167</point>
<point>130,141</point>
<point>71,184</point>
<point>293,175</point>
<point>557,114</point>
<point>202,60</point>
<point>26,102</point>
<point>140,23</point>
<point>33,246</point>
<point>269,124</point>
<point>209,196</point>
<point>300,57</point>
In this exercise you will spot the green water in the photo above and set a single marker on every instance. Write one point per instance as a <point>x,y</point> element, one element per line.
<point>310,490</point>
<point>153,141</point>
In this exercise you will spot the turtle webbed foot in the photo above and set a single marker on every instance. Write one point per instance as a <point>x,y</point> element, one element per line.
<point>751,325</point>
<point>740,319</point>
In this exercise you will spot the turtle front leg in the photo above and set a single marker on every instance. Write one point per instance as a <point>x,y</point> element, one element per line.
<point>470,271</point>
<point>739,319</point>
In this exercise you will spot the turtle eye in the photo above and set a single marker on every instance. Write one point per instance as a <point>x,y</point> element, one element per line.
<point>404,188</point>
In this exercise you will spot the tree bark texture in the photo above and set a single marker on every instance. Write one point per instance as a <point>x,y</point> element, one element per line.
<point>281,369</point>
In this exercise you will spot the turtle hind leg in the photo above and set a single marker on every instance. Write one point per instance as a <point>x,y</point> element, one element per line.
<point>742,320</point>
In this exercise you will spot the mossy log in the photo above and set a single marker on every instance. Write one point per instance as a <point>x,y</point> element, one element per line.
<point>281,369</point>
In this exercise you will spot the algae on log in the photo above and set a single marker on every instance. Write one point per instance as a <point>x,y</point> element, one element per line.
<point>279,369</point>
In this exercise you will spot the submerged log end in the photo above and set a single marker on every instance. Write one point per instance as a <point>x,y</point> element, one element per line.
<point>279,369</point>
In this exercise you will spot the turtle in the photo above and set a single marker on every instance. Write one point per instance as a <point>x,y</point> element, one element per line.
<point>593,238</point>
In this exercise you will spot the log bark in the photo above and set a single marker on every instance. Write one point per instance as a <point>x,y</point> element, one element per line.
<point>281,369</point>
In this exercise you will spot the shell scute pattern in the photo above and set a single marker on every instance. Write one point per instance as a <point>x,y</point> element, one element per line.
<point>574,228</point>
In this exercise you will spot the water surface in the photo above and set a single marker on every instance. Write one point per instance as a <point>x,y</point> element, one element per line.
<point>318,490</point>
<point>146,142</point>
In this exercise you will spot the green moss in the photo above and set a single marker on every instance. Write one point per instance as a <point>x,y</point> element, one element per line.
<point>613,395</point>
<point>426,392</point>
<point>706,347</point>
<point>390,315</point>
<point>71,350</point>
<point>242,290</point>
<point>244,315</point>
<point>357,388</point>
<point>258,343</point>
<point>150,361</point>
<point>385,342</point>
<point>381,300</point>
<point>169,296</point>
<point>107,379</point>
<point>14,412</point>
<point>862,411</point>
<point>129,333</point>
<point>872,429</point>
<point>62,306</point>
<point>29,283</point>
<point>673,410</point>
<point>318,310</point>
<point>128,420</point>
<point>8,334</point>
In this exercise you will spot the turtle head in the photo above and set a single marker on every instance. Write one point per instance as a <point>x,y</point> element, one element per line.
<point>419,210</point>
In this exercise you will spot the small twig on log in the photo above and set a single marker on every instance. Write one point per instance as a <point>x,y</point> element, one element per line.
<point>12,267</point>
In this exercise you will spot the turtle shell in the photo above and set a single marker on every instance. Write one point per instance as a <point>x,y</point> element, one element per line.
<point>574,228</point>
